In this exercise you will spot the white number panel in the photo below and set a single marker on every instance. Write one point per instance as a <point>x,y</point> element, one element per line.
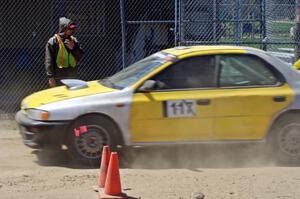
<point>180,108</point>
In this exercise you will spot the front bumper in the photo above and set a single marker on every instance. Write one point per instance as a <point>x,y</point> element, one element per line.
<point>40,134</point>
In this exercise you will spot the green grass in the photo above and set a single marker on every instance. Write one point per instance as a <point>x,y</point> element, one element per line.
<point>280,26</point>
<point>277,30</point>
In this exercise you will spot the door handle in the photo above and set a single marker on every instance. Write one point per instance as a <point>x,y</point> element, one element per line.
<point>279,98</point>
<point>203,102</point>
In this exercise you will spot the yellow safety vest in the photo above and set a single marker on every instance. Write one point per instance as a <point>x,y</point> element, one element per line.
<point>64,59</point>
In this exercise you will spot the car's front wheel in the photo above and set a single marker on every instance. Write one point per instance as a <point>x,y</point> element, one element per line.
<point>285,139</point>
<point>87,137</point>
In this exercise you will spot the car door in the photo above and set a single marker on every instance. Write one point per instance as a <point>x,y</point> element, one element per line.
<point>251,93</point>
<point>181,108</point>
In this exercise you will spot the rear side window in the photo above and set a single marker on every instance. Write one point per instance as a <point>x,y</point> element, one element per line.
<point>245,70</point>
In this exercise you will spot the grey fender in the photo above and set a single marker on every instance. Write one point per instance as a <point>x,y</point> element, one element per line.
<point>115,105</point>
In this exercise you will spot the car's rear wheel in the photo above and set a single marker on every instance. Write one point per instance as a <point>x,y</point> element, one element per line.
<point>87,137</point>
<point>285,139</point>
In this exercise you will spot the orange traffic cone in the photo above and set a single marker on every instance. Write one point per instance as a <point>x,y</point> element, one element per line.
<point>113,183</point>
<point>104,166</point>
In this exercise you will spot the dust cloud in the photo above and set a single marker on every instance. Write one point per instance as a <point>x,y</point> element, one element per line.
<point>195,156</point>
<point>27,173</point>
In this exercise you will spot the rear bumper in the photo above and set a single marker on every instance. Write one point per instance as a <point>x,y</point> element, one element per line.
<point>39,134</point>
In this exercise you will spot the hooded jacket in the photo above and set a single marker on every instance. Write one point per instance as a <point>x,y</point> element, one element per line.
<point>51,53</point>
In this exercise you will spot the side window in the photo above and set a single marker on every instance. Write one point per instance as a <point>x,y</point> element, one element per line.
<point>245,70</point>
<point>194,72</point>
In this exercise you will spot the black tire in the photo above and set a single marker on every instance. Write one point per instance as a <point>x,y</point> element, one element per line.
<point>284,140</point>
<point>87,147</point>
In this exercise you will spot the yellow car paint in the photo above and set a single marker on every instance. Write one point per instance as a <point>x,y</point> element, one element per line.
<point>203,50</point>
<point>62,93</point>
<point>229,116</point>
<point>233,114</point>
<point>247,114</point>
<point>150,125</point>
<point>297,64</point>
<point>212,52</point>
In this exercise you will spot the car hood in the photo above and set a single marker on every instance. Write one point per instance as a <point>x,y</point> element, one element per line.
<point>69,90</point>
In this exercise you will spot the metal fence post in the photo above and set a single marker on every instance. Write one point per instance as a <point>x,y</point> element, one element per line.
<point>176,23</point>
<point>181,22</point>
<point>123,29</point>
<point>263,25</point>
<point>214,19</point>
<point>297,30</point>
<point>238,23</point>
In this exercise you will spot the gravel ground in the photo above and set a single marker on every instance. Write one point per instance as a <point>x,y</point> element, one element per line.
<point>181,172</point>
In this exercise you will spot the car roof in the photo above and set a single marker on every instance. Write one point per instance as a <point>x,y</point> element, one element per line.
<point>182,50</point>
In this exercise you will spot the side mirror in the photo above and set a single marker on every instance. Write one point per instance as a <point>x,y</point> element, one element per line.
<point>147,86</point>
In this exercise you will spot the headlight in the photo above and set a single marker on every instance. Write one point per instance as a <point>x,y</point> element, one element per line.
<point>37,114</point>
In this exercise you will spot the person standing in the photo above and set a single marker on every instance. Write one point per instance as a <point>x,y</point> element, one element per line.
<point>62,53</point>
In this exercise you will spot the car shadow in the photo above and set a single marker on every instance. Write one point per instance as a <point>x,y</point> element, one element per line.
<point>58,158</point>
<point>190,157</point>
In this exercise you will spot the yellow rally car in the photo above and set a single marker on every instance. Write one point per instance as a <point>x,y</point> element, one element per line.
<point>197,94</point>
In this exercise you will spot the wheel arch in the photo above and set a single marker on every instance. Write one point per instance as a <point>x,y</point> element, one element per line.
<point>282,116</point>
<point>95,114</point>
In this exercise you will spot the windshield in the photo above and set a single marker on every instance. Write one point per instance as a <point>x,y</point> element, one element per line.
<point>136,71</point>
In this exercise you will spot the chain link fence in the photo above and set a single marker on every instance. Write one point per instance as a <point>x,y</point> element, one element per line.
<point>115,34</point>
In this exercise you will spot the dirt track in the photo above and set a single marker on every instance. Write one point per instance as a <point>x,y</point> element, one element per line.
<point>146,173</point>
